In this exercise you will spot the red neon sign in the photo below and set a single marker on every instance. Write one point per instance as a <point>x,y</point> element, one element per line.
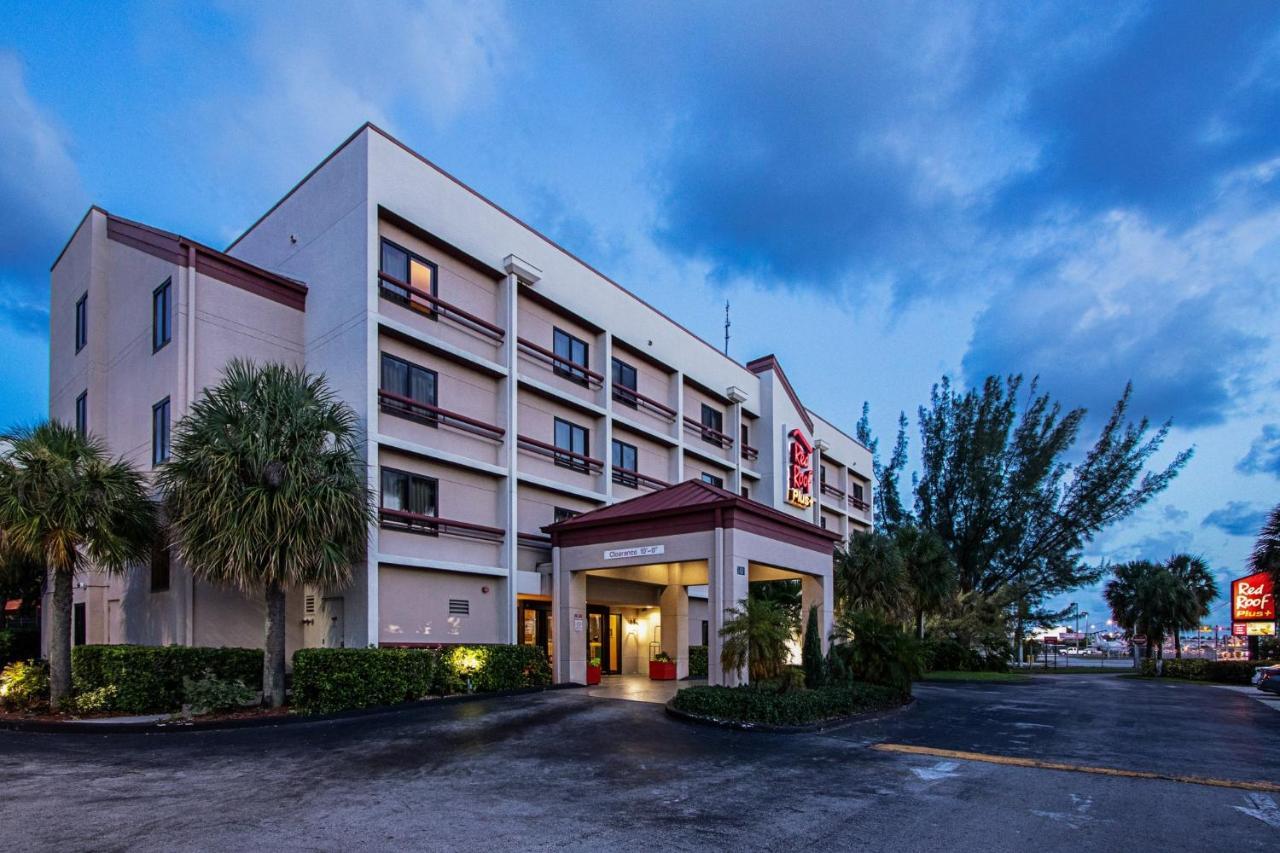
<point>1253,599</point>
<point>800,471</point>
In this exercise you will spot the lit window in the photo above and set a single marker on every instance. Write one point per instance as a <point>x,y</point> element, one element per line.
<point>406,268</point>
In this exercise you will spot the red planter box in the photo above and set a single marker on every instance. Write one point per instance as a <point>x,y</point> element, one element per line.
<point>662,670</point>
<point>593,675</point>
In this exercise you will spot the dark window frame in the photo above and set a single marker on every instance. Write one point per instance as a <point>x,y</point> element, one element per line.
<point>858,492</point>
<point>572,462</point>
<point>715,422</point>
<point>82,322</point>
<point>623,476</point>
<point>576,371</point>
<point>161,422</point>
<point>162,320</point>
<point>82,413</point>
<point>413,526</point>
<point>161,566</point>
<point>426,417</point>
<point>620,369</point>
<point>713,480</point>
<point>563,513</point>
<point>398,294</point>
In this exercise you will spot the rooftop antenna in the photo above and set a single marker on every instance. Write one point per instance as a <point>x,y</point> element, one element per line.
<point>726,327</point>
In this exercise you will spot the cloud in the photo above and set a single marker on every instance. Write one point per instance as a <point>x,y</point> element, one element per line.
<point>1264,454</point>
<point>1237,518</point>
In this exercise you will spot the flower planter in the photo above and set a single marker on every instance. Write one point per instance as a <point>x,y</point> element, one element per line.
<point>662,670</point>
<point>593,675</point>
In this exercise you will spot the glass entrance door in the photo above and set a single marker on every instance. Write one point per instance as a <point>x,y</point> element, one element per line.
<point>604,638</point>
<point>535,626</point>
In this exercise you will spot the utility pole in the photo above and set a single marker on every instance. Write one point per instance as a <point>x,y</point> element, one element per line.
<point>726,327</point>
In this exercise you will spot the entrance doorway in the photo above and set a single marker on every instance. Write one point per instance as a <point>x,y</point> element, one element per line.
<point>534,625</point>
<point>604,638</point>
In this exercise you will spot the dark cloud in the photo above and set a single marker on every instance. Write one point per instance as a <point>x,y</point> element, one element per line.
<point>1237,518</point>
<point>1264,454</point>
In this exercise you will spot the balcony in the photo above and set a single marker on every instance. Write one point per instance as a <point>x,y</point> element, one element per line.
<point>407,407</point>
<point>433,525</point>
<point>750,453</point>
<point>709,434</point>
<point>432,306</point>
<point>859,504</point>
<point>634,399</point>
<point>571,370</point>
<point>634,479</point>
<point>565,458</point>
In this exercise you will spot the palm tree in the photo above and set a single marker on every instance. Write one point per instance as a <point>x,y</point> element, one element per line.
<point>266,489</point>
<point>929,568</point>
<point>1266,552</point>
<point>67,505</point>
<point>1196,590</point>
<point>1144,599</point>
<point>869,574</point>
<point>755,636</point>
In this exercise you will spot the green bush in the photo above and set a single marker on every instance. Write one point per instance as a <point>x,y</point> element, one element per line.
<point>697,661</point>
<point>210,693</point>
<point>486,668</point>
<point>871,649</point>
<point>95,701</point>
<point>24,685</point>
<point>946,654</point>
<point>1197,669</point>
<point>149,679</point>
<point>329,680</point>
<point>798,707</point>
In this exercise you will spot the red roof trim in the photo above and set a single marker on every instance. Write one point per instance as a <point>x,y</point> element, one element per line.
<point>770,362</point>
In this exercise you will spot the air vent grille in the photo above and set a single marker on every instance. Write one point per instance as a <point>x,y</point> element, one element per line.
<point>459,607</point>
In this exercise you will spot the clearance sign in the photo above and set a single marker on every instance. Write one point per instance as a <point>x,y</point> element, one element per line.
<point>799,471</point>
<point>1253,599</point>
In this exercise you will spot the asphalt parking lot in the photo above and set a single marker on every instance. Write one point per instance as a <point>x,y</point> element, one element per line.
<point>565,770</point>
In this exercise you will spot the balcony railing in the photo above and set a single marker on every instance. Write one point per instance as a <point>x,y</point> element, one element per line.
<point>399,404</point>
<point>709,434</point>
<point>859,503</point>
<point>433,525</point>
<point>828,489</point>
<point>634,479</point>
<point>563,366</point>
<point>428,303</point>
<point>750,453</point>
<point>630,396</point>
<point>577,461</point>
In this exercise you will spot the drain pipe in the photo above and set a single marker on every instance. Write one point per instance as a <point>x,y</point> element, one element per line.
<point>189,393</point>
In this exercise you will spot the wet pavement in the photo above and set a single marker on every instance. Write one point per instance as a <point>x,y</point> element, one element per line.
<point>563,769</point>
<point>638,688</point>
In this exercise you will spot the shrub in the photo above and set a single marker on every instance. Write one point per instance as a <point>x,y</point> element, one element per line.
<point>24,685</point>
<point>950,655</point>
<point>330,680</point>
<point>210,693</point>
<point>756,635</point>
<point>485,668</point>
<point>149,679</point>
<point>754,705</point>
<point>697,661</point>
<point>811,652</point>
<point>1196,669</point>
<point>95,701</point>
<point>876,651</point>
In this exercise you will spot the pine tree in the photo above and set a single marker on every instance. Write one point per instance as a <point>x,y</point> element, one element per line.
<point>811,651</point>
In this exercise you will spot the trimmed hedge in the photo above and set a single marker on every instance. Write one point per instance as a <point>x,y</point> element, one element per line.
<point>697,661</point>
<point>326,681</point>
<point>1198,669</point>
<point>794,708</point>
<point>149,679</point>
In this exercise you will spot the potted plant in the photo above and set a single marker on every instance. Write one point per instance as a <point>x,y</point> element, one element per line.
<point>593,671</point>
<point>662,667</point>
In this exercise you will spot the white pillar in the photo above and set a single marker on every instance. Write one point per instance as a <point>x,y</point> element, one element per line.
<point>569,608</point>
<point>727,588</point>
<point>815,590</point>
<point>675,620</point>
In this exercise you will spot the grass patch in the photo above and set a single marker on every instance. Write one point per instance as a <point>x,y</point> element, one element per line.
<point>957,675</point>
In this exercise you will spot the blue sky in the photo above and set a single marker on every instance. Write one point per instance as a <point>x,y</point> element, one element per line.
<point>886,192</point>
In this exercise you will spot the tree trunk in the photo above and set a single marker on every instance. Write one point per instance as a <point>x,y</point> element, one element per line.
<point>920,624</point>
<point>273,658</point>
<point>1177,644</point>
<point>60,639</point>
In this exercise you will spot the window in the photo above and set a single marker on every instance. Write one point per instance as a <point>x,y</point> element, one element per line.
<point>160,566</point>
<point>160,432</point>
<point>77,624</point>
<point>414,387</point>
<point>713,480</point>
<point>82,322</point>
<point>574,439</point>
<point>858,494</point>
<point>161,315</point>
<point>82,413</point>
<point>571,355</point>
<point>624,381</point>
<point>413,494</point>
<point>746,436</point>
<point>414,270</point>
<point>823,521</point>
<point>624,463</point>
<point>706,632</point>
<point>822,475</point>
<point>746,492</point>
<point>712,425</point>
<point>564,513</point>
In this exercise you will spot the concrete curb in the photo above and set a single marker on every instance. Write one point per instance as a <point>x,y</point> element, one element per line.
<point>179,726</point>
<point>808,728</point>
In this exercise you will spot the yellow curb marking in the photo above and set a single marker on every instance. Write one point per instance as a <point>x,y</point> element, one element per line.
<point>1075,768</point>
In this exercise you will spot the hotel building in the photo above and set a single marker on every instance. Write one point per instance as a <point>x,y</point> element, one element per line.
<point>552,457</point>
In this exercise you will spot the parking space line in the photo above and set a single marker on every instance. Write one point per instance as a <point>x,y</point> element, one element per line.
<point>1014,761</point>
